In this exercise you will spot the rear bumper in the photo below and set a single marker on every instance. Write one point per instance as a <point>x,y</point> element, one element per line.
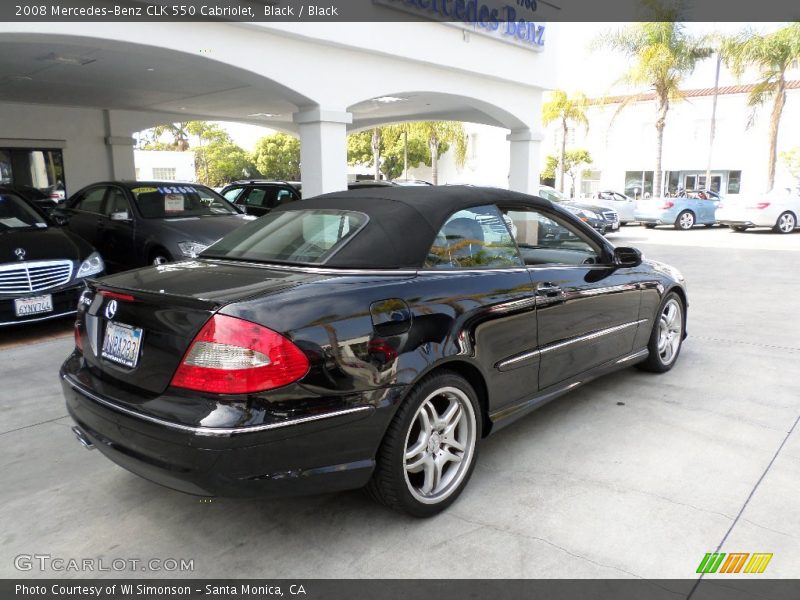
<point>305,455</point>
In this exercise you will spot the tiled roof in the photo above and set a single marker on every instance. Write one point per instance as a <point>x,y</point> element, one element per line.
<point>728,89</point>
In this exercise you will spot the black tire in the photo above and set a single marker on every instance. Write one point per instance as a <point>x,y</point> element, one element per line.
<point>685,221</point>
<point>737,228</point>
<point>391,483</point>
<point>708,225</point>
<point>159,256</point>
<point>656,362</point>
<point>786,223</point>
<point>650,225</point>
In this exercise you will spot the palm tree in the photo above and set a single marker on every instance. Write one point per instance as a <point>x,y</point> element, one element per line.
<point>177,131</point>
<point>662,55</point>
<point>447,132</point>
<point>375,143</point>
<point>560,107</point>
<point>772,54</point>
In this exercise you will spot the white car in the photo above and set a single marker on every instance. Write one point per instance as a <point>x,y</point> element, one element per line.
<point>779,210</point>
<point>624,205</point>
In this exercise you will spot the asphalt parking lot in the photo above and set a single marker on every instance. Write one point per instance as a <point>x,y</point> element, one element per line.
<point>635,475</point>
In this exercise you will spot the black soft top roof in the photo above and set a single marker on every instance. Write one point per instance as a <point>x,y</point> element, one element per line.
<point>403,220</point>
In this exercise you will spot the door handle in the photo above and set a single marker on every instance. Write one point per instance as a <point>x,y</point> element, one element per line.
<point>548,290</point>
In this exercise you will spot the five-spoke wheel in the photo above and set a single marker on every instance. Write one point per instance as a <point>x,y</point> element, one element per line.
<point>666,336</point>
<point>685,220</point>
<point>786,223</point>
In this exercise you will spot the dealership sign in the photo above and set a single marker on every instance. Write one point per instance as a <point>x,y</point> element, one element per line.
<point>510,21</point>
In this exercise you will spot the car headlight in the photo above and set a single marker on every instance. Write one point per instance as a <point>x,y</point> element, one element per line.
<point>91,266</point>
<point>191,249</point>
<point>588,214</point>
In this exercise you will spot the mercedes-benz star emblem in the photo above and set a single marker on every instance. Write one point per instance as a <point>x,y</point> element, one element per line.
<point>20,253</point>
<point>111,309</point>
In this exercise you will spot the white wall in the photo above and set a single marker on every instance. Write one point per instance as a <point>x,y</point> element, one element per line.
<point>79,132</point>
<point>148,160</point>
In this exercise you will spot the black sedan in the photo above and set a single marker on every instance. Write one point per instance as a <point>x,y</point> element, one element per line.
<point>135,223</point>
<point>362,338</point>
<point>42,268</point>
<point>41,199</point>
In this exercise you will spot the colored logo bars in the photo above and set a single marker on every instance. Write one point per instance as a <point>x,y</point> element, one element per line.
<point>716,562</point>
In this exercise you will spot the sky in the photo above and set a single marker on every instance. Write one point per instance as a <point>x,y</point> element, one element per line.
<point>579,68</point>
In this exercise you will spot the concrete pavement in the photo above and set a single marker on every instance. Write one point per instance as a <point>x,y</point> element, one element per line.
<point>635,475</point>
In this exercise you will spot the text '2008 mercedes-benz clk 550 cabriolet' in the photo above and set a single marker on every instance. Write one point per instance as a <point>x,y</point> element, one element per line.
<point>362,338</point>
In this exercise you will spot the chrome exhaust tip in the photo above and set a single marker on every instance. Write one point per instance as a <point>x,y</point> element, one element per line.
<point>83,438</point>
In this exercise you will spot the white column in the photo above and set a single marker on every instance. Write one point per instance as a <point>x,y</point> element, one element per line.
<point>524,169</point>
<point>323,150</point>
<point>120,145</point>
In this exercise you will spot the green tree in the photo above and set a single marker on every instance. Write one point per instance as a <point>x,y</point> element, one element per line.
<point>176,134</point>
<point>574,160</point>
<point>791,158</point>
<point>438,133</point>
<point>662,54</point>
<point>548,175</point>
<point>772,54</point>
<point>564,109</point>
<point>277,156</point>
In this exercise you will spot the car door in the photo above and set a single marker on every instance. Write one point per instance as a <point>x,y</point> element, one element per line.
<point>117,230</point>
<point>587,310</point>
<point>86,213</point>
<point>257,201</point>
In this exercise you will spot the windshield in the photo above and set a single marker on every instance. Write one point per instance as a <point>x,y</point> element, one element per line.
<point>296,236</point>
<point>180,201</point>
<point>15,213</point>
<point>552,195</point>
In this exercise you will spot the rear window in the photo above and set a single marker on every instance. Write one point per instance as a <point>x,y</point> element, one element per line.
<point>297,236</point>
<point>180,201</point>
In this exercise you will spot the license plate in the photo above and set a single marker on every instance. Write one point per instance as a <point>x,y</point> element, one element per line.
<point>121,343</point>
<point>615,226</point>
<point>25,307</point>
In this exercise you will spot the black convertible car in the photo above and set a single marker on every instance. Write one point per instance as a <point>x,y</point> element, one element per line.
<point>362,338</point>
<point>42,268</point>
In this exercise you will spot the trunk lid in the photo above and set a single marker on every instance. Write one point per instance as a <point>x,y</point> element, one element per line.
<point>150,316</point>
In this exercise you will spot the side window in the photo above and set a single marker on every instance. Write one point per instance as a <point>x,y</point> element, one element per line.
<point>117,203</point>
<point>546,239</point>
<point>259,197</point>
<point>284,197</point>
<point>477,238</point>
<point>92,200</point>
<point>232,194</point>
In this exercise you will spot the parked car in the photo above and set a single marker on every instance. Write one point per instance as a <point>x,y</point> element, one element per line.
<point>37,196</point>
<point>682,212</point>
<point>42,268</point>
<point>361,338</point>
<point>259,196</point>
<point>705,194</point>
<point>138,223</point>
<point>617,201</point>
<point>778,210</point>
<point>600,218</point>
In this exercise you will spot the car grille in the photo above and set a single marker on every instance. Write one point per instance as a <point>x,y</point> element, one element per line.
<point>26,277</point>
<point>611,215</point>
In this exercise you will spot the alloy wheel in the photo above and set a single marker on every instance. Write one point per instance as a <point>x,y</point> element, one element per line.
<point>786,223</point>
<point>439,445</point>
<point>670,330</point>
<point>686,220</point>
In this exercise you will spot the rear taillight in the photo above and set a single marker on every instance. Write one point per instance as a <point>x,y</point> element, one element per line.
<point>234,356</point>
<point>117,296</point>
<point>667,204</point>
<point>760,205</point>
<point>78,341</point>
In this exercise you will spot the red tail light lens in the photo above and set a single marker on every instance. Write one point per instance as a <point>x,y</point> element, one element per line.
<point>761,205</point>
<point>234,356</point>
<point>117,296</point>
<point>78,341</point>
<point>667,205</point>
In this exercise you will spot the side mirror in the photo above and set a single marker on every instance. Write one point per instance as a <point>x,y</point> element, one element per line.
<point>120,216</point>
<point>58,216</point>
<point>627,257</point>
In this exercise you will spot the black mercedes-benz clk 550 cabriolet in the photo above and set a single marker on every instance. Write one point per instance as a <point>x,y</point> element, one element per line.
<point>42,268</point>
<point>361,338</point>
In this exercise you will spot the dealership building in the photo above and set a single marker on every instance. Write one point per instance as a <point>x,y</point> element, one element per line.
<point>74,93</point>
